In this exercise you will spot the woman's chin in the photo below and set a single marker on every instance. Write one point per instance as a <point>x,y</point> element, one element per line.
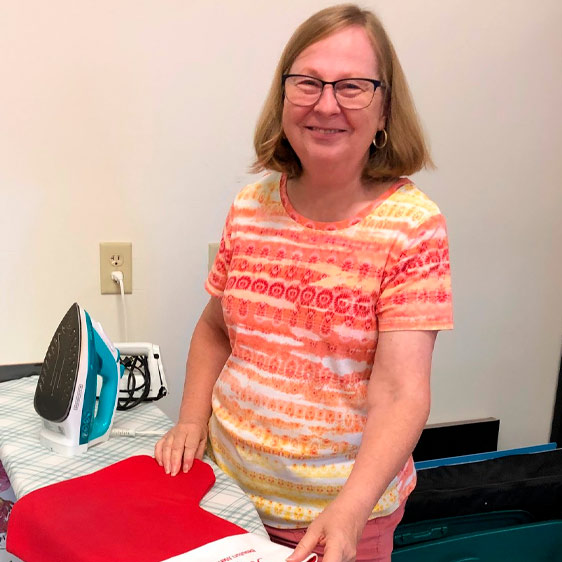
<point>328,157</point>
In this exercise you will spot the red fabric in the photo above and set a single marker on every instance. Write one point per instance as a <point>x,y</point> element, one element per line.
<point>129,511</point>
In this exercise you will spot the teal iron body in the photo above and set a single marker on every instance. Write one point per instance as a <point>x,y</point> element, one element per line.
<point>79,354</point>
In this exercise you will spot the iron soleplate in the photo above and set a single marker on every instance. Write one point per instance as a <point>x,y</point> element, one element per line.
<point>57,380</point>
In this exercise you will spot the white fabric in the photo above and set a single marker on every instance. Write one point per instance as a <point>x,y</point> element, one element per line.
<point>239,548</point>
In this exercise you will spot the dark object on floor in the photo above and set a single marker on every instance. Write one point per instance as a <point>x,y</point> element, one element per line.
<point>531,482</point>
<point>468,437</point>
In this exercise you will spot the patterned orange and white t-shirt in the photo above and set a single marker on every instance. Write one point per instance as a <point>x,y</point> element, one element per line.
<point>304,302</point>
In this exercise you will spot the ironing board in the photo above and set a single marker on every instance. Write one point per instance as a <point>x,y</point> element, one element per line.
<point>31,466</point>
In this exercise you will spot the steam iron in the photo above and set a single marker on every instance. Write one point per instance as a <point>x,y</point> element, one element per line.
<point>65,397</point>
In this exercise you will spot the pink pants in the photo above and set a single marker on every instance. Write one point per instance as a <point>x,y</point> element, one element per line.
<point>375,544</point>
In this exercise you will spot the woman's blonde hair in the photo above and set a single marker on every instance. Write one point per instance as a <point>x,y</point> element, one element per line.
<point>405,152</point>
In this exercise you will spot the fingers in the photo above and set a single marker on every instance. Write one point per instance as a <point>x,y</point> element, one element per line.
<point>337,545</point>
<point>158,451</point>
<point>176,455</point>
<point>190,448</point>
<point>167,451</point>
<point>179,447</point>
<point>336,555</point>
<point>201,449</point>
<point>305,547</point>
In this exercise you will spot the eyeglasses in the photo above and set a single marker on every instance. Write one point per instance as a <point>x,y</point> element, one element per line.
<point>351,93</point>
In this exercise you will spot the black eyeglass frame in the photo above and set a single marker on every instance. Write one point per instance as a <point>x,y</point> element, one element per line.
<point>375,83</point>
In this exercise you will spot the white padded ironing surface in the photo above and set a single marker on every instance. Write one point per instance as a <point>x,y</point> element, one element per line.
<point>30,466</point>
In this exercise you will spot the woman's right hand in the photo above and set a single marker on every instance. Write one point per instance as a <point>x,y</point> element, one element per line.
<point>183,443</point>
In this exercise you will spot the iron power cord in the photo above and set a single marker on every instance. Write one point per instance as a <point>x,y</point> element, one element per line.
<point>125,432</point>
<point>138,381</point>
<point>117,277</point>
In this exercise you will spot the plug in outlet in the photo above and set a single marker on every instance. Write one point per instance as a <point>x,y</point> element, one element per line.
<point>116,256</point>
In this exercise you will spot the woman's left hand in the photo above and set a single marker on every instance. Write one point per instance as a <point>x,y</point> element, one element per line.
<point>337,530</point>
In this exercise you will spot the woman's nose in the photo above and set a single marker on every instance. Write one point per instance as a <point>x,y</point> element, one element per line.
<point>327,103</point>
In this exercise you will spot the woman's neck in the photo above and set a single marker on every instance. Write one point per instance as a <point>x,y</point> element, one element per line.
<point>332,197</point>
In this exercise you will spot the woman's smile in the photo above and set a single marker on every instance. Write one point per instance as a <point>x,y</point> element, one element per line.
<point>324,131</point>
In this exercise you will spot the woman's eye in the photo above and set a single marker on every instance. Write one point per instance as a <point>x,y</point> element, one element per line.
<point>349,86</point>
<point>307,83</point>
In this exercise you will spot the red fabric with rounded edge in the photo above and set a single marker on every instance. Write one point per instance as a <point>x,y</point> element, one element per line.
<point>129,511</point>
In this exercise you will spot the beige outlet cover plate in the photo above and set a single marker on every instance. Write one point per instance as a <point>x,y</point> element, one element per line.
<point>116,256</point>
<point>212,252</point>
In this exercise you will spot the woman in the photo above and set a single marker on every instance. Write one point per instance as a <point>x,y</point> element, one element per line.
<point>309,368</point>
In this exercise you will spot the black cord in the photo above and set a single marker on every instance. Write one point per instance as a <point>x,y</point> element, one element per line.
<point>136,366</point>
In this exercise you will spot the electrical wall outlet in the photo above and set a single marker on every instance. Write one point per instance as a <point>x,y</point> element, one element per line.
<point>213,249</point>
<point>116,256</point>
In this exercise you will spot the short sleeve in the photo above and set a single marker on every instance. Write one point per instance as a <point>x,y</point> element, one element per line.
<point>415,291</point>
<point>216,280</point>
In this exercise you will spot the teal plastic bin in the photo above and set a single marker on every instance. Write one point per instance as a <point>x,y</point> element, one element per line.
<point>408,534</point>
<point>536,542</point>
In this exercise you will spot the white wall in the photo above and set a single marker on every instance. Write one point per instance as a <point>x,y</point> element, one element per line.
<point>132,120</point>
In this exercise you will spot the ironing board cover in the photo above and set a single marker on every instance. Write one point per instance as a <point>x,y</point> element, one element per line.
<point>129,511</point>
<point>31,466</point>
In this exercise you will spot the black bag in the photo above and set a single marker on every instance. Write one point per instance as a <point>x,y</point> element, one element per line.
<point>529,482</point>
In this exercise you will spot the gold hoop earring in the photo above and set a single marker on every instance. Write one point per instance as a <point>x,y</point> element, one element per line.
<point>379,146</point>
